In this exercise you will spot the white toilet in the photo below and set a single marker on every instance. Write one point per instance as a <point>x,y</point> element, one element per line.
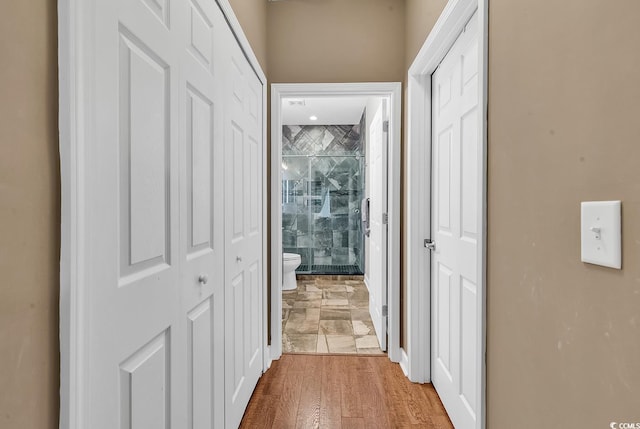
<point>290,261</point>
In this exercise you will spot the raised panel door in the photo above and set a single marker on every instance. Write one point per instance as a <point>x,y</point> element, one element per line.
<point>132,368</point>
<point>243,232</point>
<point>202,213</point>
<point>455,213</point>
<point>173,261</point>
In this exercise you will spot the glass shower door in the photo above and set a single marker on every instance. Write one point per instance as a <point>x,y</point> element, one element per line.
<point>320,217</point>
<point>296,237</point>
<point>336,183</point>
<point>321,197</point>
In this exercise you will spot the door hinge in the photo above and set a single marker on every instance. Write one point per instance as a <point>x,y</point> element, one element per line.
<point>385,126</point>
<point>430,244</point>
<point>385,218</point>
<point>385,310</point>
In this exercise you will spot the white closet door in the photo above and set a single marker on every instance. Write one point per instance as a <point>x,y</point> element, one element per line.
<point>172,281</point>
<point>134,368</point>
<point>243,226</point>
<point>202,213</point>
<point>456,302</point>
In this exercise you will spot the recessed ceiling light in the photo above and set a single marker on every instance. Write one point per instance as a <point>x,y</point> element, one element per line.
<point>313,118</point>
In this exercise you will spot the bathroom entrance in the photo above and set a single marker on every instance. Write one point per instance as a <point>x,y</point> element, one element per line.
<point>334,235</point>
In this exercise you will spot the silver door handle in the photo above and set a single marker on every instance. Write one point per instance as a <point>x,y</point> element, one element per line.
<point>203,279</point>
<point>430,244</point>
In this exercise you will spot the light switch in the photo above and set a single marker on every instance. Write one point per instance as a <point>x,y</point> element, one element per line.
<point>601,233</point>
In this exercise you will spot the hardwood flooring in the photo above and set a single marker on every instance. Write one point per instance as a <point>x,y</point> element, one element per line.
<point>342,392</point>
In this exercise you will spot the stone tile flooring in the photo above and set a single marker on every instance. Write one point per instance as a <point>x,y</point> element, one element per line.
<point>328,314</point>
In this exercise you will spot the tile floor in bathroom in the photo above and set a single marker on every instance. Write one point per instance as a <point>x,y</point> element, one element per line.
<point>328,314</point>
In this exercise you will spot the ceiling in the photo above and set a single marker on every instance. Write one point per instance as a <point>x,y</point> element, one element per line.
<point>328,110</point>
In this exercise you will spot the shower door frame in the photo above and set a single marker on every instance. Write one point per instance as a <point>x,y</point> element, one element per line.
<point>390,90</point>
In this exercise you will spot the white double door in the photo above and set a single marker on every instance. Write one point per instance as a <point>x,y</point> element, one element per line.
<point>172,233</point>
<point>456,279</point>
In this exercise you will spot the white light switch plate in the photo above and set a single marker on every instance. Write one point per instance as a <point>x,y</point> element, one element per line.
<point>601,233</point>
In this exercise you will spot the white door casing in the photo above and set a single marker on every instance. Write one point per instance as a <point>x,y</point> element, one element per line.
<point>377,278</point>
<point>390,90</point>
<point>243,201</point>
<point>143,116</point>
<point>456,204</point>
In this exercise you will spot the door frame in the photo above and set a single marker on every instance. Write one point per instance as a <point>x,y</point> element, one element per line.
<point>392,90</point>
<point>416,360</point>
<point>75,115</point>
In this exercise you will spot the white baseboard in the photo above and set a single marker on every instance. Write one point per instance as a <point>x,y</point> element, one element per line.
<point>404,362</point>
<point>267,359</point>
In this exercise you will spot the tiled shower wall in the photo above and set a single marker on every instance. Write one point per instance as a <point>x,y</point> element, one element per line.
<point>323,184</point>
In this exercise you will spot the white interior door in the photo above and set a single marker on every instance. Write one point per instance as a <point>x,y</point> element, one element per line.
<point>135,373</point>
<point>456,276</point>
<point>377,280</point>
<point>243,201</point>
<point>202,214</point>
<point>171,287</point>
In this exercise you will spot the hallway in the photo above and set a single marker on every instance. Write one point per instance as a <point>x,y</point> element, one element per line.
<point>324,391</point>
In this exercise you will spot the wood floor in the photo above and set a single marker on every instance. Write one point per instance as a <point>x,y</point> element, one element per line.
<point>333,392</point>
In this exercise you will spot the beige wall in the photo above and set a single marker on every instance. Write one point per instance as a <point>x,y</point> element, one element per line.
<point>29,216</point>
<point>421,16</point>
<point>335,41</point>
<point>252,15</point>
<point>563,336</point>
<point>564,109</point>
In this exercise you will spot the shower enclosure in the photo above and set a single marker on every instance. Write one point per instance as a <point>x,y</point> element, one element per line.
<point>321,196</point>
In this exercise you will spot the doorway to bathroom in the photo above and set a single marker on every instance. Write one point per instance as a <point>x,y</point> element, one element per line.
<point>335,178</point>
